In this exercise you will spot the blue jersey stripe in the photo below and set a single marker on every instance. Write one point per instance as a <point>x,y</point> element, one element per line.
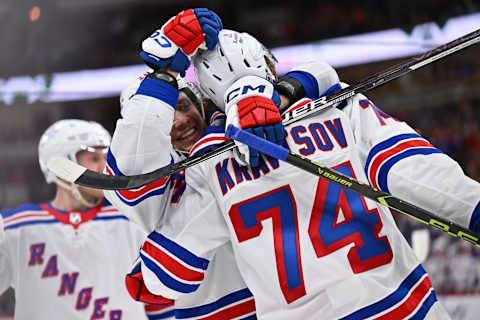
<point>26,223</point>
<point>211,307</point>
<point>213,129</point>
<point>156,192</point>
<point>387,144</point>
<point>392,299</point>
<point>209,130</point>
<point>112,218</point>
<point>206,147</point>
<point>426,306</point>
<point>387,165</point>
<point>308,81</point>
<point>8,212</point>
<point>179,251</point>
<point>160,90</point>
<point>166,279</point>
<point>112,163</point>
<point>475,221</point>
<point>164,315</point>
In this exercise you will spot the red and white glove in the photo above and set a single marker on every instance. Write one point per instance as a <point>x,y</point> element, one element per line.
<point>138,290</point>
<point>251,103</point>
<point>180,38</point>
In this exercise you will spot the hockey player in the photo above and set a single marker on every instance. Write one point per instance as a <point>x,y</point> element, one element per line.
<point>223,294</point>
<point>162,119</point>
<point>216,277</point>
<point>62,257</point>
<point>155,114</point>
<point>140,144</point>
<point>306,248</point>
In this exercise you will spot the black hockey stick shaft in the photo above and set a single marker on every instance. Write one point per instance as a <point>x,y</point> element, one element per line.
<point>354,185</point>
<point>101,181</point>
<point>97,180</point>
<point>383,76</point>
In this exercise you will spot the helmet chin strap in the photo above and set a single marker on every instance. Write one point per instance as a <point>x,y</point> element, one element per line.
<point>73,188</point>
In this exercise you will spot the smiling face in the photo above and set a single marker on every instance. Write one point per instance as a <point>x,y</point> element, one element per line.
<point>188,125</point>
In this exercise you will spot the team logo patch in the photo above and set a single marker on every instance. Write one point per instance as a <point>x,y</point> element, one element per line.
<point>75,217</point>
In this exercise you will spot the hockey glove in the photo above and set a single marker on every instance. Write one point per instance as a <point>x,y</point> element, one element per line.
<point>251,104</point>
<point>180,38</point>
<point>139,291</point>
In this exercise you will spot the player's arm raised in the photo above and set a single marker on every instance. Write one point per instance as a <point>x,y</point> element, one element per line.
<point>141,142</point>
<point>401,162</point>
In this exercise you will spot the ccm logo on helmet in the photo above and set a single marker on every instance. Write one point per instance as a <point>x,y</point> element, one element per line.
<point>243,90</point>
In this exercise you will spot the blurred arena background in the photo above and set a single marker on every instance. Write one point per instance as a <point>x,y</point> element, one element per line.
<point>82,40</point>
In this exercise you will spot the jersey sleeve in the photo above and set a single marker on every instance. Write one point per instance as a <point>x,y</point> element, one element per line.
<point>141,144</point>
<point>6,269</point>
<point>2,231</point>
<point>401,162</point>
<point>175,258</point>
<point>317,78</point>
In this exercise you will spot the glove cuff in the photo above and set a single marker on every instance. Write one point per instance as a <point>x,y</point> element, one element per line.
<point>178,62</point>
<point>291,88</point>
<point>165,77</point>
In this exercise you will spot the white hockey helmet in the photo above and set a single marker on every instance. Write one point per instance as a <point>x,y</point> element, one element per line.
<point>194,93</point>
<point>65,138</point>
<point>236,55</point>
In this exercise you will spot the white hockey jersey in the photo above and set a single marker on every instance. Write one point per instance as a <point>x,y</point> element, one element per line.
<point>140,144</point>
<point>70,265</point>
<point>307,248</point>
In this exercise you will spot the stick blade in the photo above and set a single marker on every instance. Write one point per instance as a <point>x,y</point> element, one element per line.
<point>65,169</point>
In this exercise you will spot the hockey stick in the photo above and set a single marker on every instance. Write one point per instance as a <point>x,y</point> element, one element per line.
<point>72,172</point>
<point>349,183</point>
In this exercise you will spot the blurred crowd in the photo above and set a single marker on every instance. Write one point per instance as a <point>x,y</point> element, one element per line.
<point>452,264</point>
<point>57,39</point>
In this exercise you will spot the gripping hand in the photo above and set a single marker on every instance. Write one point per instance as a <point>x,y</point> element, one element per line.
<point>180,38</point>
<point>251,103</point>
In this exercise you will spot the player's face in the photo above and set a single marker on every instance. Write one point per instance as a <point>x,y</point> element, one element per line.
<point>95,160</point>
<point>188,125</point>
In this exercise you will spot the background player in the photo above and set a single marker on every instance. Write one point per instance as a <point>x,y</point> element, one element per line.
<point>66,258</point>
